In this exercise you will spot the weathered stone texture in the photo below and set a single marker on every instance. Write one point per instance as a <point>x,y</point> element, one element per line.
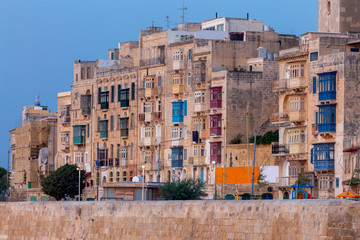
<point>298,219</point>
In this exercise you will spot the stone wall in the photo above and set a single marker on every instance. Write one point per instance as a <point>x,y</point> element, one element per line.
<point>287,219</point>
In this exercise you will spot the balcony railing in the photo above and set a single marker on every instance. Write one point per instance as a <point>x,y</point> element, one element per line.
<point>216,158</point>
<point>104,105</point>
<point>325,128</point>
<point>177,163</point>
<point>215,132</point>
<point>283,181</point>
<point>150,141</point>
<point>299,82</point>
<point>215,104</point>
<point>297,116</point>
<point>124,132</point>
<point>65,146</point>
<point>152,61</point>
<point>199,160</point>
<point>280,117</point>
<point>177,88</point>
<point>65,119</point>
<point>279,85</point>
<point>278,149</point>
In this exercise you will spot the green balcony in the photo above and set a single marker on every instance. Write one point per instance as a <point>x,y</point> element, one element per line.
<point>79,134</point>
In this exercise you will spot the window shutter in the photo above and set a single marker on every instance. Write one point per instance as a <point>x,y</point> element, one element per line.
<point>99,96</point>
<point>159,81</point>
<point>111,122</point>
<point>185,108</point>
<point>189,54</point>
<point>112,93</point>
<point>158,130</point>
<point>314,85</point>
<point>98,124</point>
<point>142,132</point>
<point>132,91</point>
<point>119,88</point>
<point>312,156</point>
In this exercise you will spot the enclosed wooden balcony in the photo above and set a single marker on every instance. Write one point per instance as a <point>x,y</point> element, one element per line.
<point>298,82</point>
<point>178,89</point>
<point>297,116</point>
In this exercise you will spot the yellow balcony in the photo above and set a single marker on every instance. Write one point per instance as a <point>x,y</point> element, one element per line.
<point>149,92</point>
<point>178,89</point>
<point>297,148</point>
<point>299,82</point>
<point>199,107</point>
<point>297,116</point>
<point>199,160</point>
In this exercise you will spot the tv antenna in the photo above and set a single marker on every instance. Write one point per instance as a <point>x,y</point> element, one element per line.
<point>183,9</point>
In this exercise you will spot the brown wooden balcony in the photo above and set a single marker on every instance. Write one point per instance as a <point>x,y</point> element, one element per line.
<point>178,89</point>
<point>299,82</point>
<point>279,117</point>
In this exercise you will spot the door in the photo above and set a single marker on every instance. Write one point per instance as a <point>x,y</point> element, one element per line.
<point>202,175</point>
<point>149,194</point>
<point>138,194</point>
<point>110,193</point>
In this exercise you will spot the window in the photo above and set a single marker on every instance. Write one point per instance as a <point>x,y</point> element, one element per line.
<point>177,79</point>
<point>112,56</point>
<point>326,118</point>
<point>132,91</point>
<point>199,124</point>
<point>220,27</point>
<point>177,132</point>
<point>78,158</point>
<point>65,138</point>
<point>103,128</point>
<point>66,160</point>
<point>149,82</point>
<point>215,152</point>
<point>296,136</point>
<point>104,99</point>
<point>189,55</point>
<point>189,79</point>
<point>215,97</point>
<point>111,123</point>
<point>178,56</point>
<point>132,123</point>
<point>124,97</point>
<point>148,107</point>
<point>159,81</point>
<point>215,125</point>
<point>326,182</point>
<point>296,104</point>
<point>112,93</point>
<point>177,157</point>
<point>178,111</point>
<point>88,73</point>
<point>297,70</point>
<point>159,106</point>
<point>79,134</point>
<point>337,182</point>
<point>149,132</point>
<point>199,150</point>
<point>314,56</point>
<point>327,86</point>
<point>148,157</point>
<point>199,97</point>
<point>124,125</point>
<point>294,169</point>
<point>322,155</point>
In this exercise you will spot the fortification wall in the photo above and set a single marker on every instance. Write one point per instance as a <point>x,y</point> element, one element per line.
<point>278,219</point>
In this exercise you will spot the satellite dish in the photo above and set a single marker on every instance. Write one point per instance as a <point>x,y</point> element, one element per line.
<point>137,179</point>
<point>43,155</point>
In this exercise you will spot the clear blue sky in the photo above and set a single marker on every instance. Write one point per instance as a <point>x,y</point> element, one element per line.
<point>39,39</point>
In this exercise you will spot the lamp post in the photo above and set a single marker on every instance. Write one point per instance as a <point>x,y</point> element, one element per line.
<point>214,163</point>
<point>143,183</point>
<point>79,196</point>
<point>253,163</point>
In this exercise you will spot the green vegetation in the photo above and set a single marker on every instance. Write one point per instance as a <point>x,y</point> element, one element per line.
<point>237,139</point>
<point>188,189</point>
<point>3,180</point>
<point>267,138</point>
<point>302,180</point>
<point>65,180</point>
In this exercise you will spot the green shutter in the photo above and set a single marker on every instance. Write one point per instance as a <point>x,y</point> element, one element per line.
<point>112,93</point>
<point>99,96</point>
<point>119,90</point>
<point>133,91</point>
<point>111,122</point>
<point>98,124</point>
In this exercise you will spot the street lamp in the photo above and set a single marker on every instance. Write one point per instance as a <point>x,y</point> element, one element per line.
<point>143,182</point>
<point>253,164</point>
<point>214,163</point>
<point>79,169</point>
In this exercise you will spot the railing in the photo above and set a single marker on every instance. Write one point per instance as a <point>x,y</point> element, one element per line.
<point>65,119</point>
<point>124,132</point>
<point>279,117</point>
<point>214,132</point>
<point>104,105</point>
<point>104,134</point>
<point>283,181</point>
<point>215,104</point>
<point>176,163</point>
<point>280,149</point>
<point>152,61</point>
<point>279,85</point>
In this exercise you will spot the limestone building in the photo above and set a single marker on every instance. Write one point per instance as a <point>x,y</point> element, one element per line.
<point>33,147</point>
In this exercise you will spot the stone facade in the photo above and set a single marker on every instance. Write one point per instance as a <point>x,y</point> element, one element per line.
<point>273,220</point>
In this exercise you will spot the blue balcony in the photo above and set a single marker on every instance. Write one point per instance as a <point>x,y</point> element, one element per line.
<point>327,86</point>
<point>177,163</point>
<point>322,156</point>
<point>177,157</point>
<point>178,111</point>
<point>323,128</point>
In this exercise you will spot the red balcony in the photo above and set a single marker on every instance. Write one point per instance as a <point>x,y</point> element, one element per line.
<point>214,132</point>
<point>215,97</point>
<point>215,152</point>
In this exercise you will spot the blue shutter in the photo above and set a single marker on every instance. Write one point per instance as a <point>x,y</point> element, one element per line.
<point>189,54</point>
<point>312,155</point>
<point>159,81</point>
<point>112,93</point>
<point>314,85</point>
<point>185,108</point>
